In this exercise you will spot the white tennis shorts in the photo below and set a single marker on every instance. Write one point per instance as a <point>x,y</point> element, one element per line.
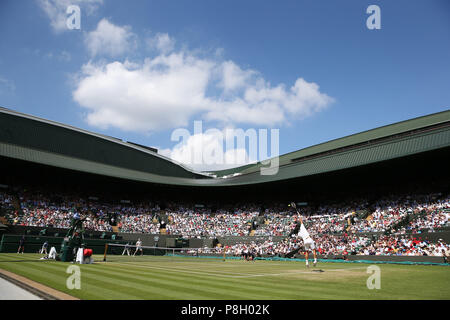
<point>310,245</point>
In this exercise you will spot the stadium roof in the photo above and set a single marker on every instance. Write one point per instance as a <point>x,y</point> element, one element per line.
<point>30,138</point>
<point>365,137</point>
<point>32,135</point>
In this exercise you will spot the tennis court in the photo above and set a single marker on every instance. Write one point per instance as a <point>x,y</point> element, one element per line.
<point>175,277</point>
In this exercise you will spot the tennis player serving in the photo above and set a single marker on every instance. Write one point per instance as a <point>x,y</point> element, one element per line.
<point>308,242</point>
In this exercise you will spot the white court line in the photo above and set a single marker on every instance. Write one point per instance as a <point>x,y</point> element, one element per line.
<point>288,273</point>
<point>221,274</point>
<point>172,269</point>
<point>219,263</point>
<point>195,264</point>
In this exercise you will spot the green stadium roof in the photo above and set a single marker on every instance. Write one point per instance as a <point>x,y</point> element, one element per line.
<point>358,138</point>
<point>46,142</point>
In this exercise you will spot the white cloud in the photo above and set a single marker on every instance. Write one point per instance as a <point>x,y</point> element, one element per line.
<point>109,39</point>
<point>166,90</point>
<point>56,10</point>
<point>161,93</point>
<point>233,77</point>
<point>161,42</point>
<point>305,98</point>
<point>238,110</point>
<point>263,104</point>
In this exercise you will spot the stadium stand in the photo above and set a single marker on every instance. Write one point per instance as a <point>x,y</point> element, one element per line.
<point>336,228</point>
<point>379,192</point>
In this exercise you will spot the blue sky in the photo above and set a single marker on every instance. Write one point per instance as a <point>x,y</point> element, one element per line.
<point>139,70</point>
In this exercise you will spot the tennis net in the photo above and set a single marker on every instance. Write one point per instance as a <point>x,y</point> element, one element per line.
<point>123,252</point>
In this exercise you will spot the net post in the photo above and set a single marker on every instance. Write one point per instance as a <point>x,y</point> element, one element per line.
<point>106,249</point>
<point>224,254</point>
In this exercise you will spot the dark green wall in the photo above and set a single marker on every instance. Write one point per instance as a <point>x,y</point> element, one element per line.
<point>10,243</point>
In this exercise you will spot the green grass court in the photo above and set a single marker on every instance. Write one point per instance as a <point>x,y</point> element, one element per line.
<point>166,278</point>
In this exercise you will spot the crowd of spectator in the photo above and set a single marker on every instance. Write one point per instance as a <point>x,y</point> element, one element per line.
<point>391,210</point>
<point>435,216</point>
<point>42,210</point>
<point>336,228</point>
<point>188,223</point>
<point>327,245</point>
<point>344,246</point>
<point>6,201</point>
<point>401,246</point>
